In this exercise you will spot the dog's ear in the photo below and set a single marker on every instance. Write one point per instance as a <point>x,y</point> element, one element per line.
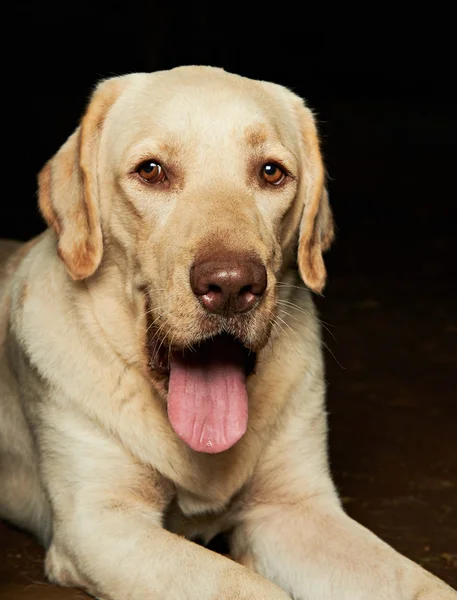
<point>316,227</point>
<point>68,195</point>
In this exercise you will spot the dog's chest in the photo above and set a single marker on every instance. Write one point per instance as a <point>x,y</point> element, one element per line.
<point>200,517</point>
<point>207,484</point>
<point>211,484</point>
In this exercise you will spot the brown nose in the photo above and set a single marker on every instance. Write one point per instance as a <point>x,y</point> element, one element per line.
<point>228,284</point>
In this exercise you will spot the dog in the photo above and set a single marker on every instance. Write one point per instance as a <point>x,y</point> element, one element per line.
<point>151,391</point>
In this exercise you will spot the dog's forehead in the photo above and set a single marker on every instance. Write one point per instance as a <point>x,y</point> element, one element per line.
<point>200,103</point>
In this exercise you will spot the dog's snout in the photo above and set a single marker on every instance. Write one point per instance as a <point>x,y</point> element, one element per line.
<point>228,284</point>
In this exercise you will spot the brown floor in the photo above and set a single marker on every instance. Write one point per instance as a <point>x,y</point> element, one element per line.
<point>393,422</point>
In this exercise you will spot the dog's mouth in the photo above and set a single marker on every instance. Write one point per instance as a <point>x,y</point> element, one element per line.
<point>207,396</point>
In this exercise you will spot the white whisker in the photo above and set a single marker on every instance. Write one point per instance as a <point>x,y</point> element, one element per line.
<point>287,335</point>
<point>294,306</point>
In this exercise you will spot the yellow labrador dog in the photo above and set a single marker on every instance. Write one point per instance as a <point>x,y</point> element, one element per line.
<point>151,391</point>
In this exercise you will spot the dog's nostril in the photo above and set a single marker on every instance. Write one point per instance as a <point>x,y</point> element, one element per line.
<point>214,288</point>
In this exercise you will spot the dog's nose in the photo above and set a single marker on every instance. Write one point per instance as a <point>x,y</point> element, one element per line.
<point>229,284</point>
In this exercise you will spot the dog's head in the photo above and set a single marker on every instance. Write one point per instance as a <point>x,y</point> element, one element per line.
<point>202,180</point>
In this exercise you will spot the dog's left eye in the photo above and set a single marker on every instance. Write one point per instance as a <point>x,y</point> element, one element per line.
<point>273,174</point>
<point>151,171</point>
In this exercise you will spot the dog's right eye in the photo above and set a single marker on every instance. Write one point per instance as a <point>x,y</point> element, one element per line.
<point>273,174</point>
<point>151,171</point>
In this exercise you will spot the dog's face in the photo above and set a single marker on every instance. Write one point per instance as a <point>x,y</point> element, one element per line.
<point>203,179</point>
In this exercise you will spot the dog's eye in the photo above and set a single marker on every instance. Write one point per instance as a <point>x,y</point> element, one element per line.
<point>273,173</point>
<point>151,171</point>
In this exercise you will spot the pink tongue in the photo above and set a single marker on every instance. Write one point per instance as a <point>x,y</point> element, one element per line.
<point>207,397</point>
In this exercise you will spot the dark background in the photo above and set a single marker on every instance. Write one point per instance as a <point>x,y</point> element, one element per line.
<point>382,84</point>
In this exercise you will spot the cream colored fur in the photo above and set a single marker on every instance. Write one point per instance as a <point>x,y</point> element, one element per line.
<point>89,461</point>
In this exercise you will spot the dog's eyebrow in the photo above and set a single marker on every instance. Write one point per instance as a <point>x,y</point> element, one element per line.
<point>263,138</point>
<point>256,135</point>
<point>266,144</point>
<point>151,148</point>
<point>167,148</point>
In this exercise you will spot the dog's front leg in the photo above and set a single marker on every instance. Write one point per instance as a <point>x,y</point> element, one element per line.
<point>108,537</point>
<point>130,557</point>
<point>293,530</point>
<point>314,551</point>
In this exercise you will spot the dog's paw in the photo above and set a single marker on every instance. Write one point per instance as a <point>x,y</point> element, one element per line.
<point>442,593</point>
<point>60,569</point>
<point>423,585</point>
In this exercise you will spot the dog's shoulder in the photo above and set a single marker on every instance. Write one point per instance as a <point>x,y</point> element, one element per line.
<point>12,255</point>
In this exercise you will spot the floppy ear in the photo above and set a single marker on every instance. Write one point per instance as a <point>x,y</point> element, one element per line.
<point>316,227</point>
<point>68,194</point>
